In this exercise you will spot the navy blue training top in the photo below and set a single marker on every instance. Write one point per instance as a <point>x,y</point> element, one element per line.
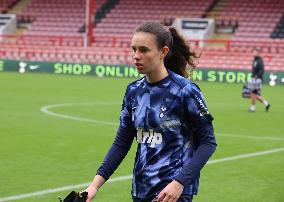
<point>173,129</point>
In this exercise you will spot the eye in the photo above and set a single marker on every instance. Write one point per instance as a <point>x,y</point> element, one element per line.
<point>144,50</point>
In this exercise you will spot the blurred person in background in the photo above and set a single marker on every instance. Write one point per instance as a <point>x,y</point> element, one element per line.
<point>256,82</point>
<point>167,115</point>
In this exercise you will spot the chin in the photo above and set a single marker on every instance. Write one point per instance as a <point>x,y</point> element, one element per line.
<point>141,71</point>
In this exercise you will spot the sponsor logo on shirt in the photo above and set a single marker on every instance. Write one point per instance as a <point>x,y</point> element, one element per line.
<point>149,137</point>
<point>171,123</point>
<point>202,109</point>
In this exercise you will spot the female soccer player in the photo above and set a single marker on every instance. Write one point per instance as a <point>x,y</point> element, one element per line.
<point>167,115</point>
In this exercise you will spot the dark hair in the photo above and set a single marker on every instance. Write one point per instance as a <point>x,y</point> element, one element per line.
<point>179,55</point>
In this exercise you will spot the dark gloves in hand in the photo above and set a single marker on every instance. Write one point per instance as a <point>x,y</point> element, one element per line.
<point>75,197</point>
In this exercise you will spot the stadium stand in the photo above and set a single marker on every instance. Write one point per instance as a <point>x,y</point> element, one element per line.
<point>256,22</point>
<point>55,28</point>
<point>278,31</point>
<point>6,4</point>
<point>55,18</point>
<point>256,19</point>
<point>128,14</point>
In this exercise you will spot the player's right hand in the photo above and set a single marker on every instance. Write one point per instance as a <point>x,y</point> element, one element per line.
<point>92,191</point>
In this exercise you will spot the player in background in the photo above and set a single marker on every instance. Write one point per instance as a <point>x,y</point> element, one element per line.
<point>255,84</point>
<point>167,115</point>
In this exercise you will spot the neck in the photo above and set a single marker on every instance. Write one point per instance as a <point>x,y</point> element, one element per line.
<point>158,75</point>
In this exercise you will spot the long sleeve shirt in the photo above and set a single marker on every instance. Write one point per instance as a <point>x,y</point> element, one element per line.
<point>173,129</point>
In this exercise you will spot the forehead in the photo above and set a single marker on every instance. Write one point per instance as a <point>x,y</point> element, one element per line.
<point>143,39</point>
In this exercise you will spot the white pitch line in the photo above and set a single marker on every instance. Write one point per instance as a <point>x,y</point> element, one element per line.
<point>249,155</point>
<point>45,109</point>
<point>117,179</point>
<point>250,137</point>
<point>59,189</point>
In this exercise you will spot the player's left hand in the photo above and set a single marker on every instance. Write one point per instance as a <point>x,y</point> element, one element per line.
<point>171,192</point>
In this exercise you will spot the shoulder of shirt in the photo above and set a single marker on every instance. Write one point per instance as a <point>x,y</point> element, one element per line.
<point>137,82</point>
<point>183,82</point>
<point>131,87</point>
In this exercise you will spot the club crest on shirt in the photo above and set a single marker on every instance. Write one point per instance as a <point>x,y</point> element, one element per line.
<point>163,110</point>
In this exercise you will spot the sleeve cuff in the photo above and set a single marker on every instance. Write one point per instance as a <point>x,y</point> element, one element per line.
<point>181,179</point>
<point>104,175</point>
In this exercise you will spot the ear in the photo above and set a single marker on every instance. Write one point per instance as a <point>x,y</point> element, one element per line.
<point>165,50</point>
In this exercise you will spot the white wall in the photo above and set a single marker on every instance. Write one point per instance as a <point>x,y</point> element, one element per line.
<point>195,28</point>
<point>8,23</point>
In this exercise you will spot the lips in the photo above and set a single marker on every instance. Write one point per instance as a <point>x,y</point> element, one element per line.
<point>138,65</point>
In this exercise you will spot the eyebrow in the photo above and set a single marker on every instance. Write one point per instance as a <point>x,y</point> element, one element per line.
<point>145,47</point>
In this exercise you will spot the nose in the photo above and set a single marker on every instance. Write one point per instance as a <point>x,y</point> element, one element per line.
<point>136,55</point>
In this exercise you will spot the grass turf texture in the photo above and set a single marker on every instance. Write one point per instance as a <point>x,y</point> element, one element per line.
<point>40,152</point>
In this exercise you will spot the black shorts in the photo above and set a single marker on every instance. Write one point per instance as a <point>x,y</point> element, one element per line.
<point>256,91</point>
<point>182,198</point>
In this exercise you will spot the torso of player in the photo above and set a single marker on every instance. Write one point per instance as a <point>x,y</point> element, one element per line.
<point>162,134</point>
<point>157,114</point>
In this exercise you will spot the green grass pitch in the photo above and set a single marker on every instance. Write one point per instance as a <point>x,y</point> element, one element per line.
<point>42,152</point>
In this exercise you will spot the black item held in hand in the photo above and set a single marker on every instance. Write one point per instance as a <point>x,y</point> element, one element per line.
<point>75,197</point>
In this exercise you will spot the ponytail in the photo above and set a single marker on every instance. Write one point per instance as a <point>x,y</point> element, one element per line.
<point>180,58</point>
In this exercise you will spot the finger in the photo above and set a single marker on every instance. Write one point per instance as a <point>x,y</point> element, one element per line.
<point>167,199</point>
<point>88,199</point>
<point>173,200</point>
<point>161,196</point>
